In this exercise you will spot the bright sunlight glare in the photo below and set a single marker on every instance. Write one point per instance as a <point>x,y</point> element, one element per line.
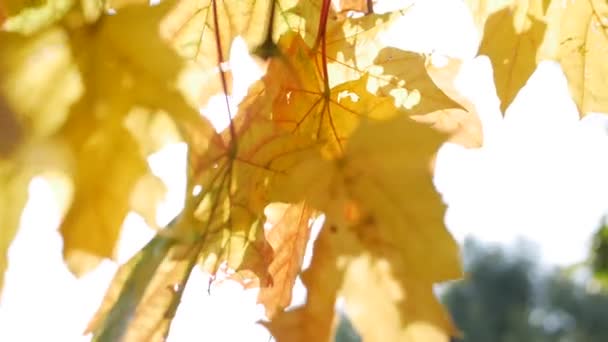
<point>549,186</point>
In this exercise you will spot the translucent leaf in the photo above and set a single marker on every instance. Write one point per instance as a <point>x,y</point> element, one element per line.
<point>316,321</point>
<point>287,236</point>
<point>462,124</point>
<point>15,175</point>
<point>512,37</point>
<point>25,18</point>
<point>354,48</point>
<point>582,53</point>
<point>306,106</point>
<point>236,176</point>
<point>203,31</point>
<point>80,90</point>
<point>520,33</point>
<point>363,6</point>
<point>92,225</point>
<point>145,292</point>
<point>39,79</point>
<point>358,59</point>
<point>383,210</point>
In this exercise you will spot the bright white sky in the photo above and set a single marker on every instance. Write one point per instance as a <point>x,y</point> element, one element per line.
<point>541,176</point>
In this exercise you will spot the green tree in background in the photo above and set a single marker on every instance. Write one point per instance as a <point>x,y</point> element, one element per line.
<point>496,299</point>
<point>507,297</point>
<point>599,254</point>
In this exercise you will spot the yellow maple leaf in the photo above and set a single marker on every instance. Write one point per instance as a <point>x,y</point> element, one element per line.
<point>203,31</point>
<point>363,6</point>
<point>236,175</point>
<point>380,201</point>
<point>93,223</point>
<point>95,129</point>
<point>354,48</point>
<point>82,93</point>
<point>352,62</point>
<point>315,321</point>
<point>462,124</point>
<point>513,34</point>
<point>287,238</point>
<point>305,104</point>
<point>39,80</point>
<point>518,34</point>
<point>221,225</point>
<point>25,162</point>
<point>28,17</point>
<point>583,37</point>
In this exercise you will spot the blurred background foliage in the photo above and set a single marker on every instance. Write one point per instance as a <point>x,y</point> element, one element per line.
<point>508,296</point>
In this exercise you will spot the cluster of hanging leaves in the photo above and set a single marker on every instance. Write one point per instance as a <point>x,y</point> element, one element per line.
<point>339,125</point>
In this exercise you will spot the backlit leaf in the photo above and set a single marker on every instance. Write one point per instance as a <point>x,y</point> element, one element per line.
<point>512,37</point>
<point>462,124</point>
<point>307,106</point>
<point>582,52</point>
<point>354,49</point>
<point>287,237</point>
<point>39,79</point>
<point>354,52</point>
<point>29,160</point>
<point>236,176</point>
<point>379,199</point>
<point>88,92</point>
<point>330,128</point>
<point>25,18</point>
<point>363,6</point>
<point>520,33</point>
<point>102,196</point>
<point>145,292</point>
<point>315,321</point>
<point>203,31</point>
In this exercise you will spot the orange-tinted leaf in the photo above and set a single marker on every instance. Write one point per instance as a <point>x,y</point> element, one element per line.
<point>316,321</point>
<point>236,175</point>
<point>358,60</point>
<point>306,106</point>
<point>287,237</point>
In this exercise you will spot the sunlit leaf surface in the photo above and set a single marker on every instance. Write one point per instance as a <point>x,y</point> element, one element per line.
<point>335,122</point>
